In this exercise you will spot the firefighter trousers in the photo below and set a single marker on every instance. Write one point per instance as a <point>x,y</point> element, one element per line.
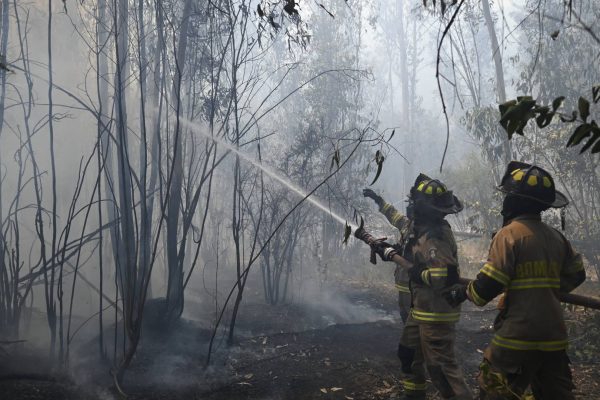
<point>505,374</point>
<point>404,302</point>
<point>430,348</point>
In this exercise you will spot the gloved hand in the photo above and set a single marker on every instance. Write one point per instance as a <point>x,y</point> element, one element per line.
<point>455,294</point>
<point>414,274</point>
<point>370,193</point>
<point>385,250</point>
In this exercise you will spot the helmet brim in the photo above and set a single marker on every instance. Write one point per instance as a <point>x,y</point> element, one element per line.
<point>456,207</point>
<point>560,200</point>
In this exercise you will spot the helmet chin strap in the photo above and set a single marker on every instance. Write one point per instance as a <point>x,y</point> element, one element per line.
<point>410,209</point>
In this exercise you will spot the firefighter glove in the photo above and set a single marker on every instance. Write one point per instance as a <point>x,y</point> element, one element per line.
<point>455,294</point>
<point>385,250</point>
<point>371,194</point>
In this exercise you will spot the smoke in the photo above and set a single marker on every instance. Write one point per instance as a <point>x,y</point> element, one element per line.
<point>341,307</point>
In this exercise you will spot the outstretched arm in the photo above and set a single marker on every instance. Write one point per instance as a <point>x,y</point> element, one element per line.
<point>394,217</point>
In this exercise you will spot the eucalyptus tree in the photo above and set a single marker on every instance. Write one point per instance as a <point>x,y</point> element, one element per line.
<point>562,64</point>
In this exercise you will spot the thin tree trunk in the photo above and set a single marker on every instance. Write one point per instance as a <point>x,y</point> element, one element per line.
<point>405,118</point>
<point>175,298</point>
<point>3,47</point>
<point>52,316</point>
<point>497,56</point>
<point>156,98</point>
<point>103,153</point>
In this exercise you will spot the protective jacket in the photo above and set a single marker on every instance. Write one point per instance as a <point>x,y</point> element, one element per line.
<point>432,248</point>
<point>532,263</point>
<point>404,225</point>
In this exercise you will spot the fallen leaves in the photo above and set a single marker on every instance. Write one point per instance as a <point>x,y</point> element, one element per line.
<point>385,390</point>
<point>333,390</point>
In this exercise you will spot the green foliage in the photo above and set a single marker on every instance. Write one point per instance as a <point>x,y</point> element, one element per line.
<point>472,181</point>
<point>584,331</point>
<point>516,114</point>
<point>482,125</point>
<point>496,383</point>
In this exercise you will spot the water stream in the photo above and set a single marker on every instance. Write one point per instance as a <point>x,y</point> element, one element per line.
<point>198,128</point>
<point>202,130</point>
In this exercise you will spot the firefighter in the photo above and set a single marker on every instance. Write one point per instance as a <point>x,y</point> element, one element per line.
<point>427,342</point>
<point>530,263</point>
<point>404,226</point>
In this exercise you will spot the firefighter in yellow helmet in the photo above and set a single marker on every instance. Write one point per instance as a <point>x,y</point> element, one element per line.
<point>404,226</point>
<point>430,255</point>
<point>531,263</point>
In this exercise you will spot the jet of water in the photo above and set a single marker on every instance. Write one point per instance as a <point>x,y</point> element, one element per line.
<point>200,129</point>
<point>203,131</point>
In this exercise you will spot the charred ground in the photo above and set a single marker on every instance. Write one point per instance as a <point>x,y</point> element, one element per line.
<point>282,352</point>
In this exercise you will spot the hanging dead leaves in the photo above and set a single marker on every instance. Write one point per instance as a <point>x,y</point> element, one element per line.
<point>335,160</point>
<point>379,159</point>
<point>275,15</point>
<point>443,4</point>
<point>290,8</point>
<point>347,233</point>
<point>269,16</point>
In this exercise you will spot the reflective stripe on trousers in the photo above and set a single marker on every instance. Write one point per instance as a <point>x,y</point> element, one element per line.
<point>425,316</point>
<point>402,287</point>
<point>541,345</point>
<point>410,385</point>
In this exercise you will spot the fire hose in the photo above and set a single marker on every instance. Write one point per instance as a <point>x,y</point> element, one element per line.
<point>569,298</point>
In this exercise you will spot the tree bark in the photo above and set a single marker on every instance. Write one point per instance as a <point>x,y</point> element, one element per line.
<point>175,279</point>
<point>497,56</point>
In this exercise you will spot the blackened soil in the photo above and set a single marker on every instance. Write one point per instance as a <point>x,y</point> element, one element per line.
<point>324,359</point>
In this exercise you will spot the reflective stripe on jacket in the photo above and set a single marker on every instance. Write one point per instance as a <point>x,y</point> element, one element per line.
<point>531,262</point>
<point>434,249</point>
<point>435,252</point>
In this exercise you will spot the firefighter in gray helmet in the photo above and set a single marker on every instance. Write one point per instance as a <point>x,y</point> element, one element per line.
<point>530,263</point>
<point>430,257</point>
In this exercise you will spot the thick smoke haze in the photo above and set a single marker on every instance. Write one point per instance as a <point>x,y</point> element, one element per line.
<point>179,178</point>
